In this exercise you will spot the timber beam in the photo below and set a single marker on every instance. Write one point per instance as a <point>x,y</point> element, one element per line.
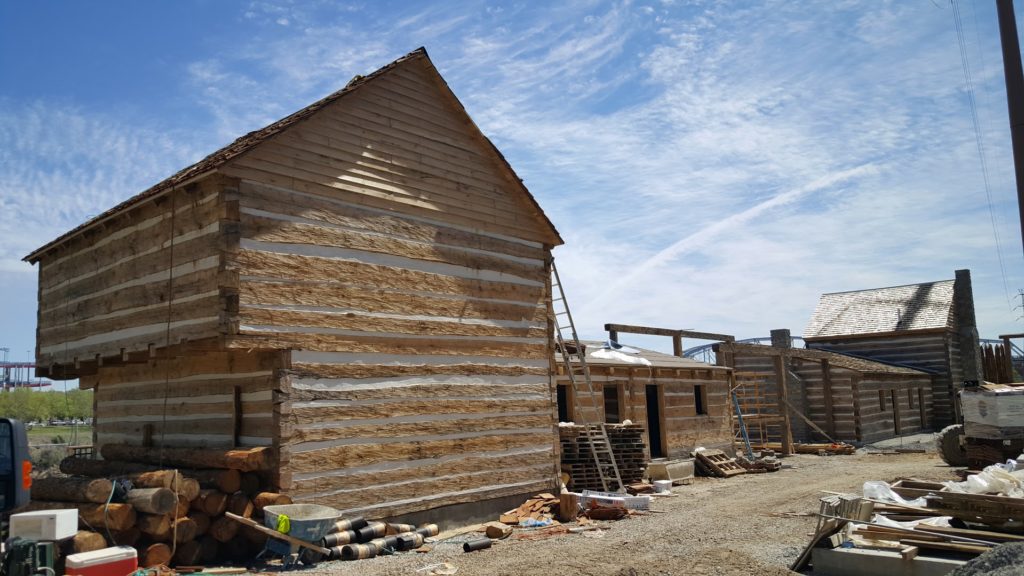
<point>676,335</point>
<point>89,366</point>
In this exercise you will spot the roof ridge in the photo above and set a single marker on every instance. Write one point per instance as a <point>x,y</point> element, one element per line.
<point>222,155</point>
<point>888,287</point>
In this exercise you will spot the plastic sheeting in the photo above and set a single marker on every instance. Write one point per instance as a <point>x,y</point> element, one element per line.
<point>608,354</point>
<point>1002,479</point>
<point>881,491</point>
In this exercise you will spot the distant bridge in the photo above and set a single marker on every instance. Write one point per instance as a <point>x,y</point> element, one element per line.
<point>20,375</point>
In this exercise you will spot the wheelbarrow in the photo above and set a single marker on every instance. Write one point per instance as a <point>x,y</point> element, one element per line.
<point>292,527</point>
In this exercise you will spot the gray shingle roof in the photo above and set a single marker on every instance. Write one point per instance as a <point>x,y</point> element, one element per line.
<point>912,307</point>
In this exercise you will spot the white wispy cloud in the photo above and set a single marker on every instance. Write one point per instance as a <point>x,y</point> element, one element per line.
<point>62,166</point>
<point>711,164</point>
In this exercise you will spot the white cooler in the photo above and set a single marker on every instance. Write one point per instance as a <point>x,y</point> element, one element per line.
<point>45,525</point>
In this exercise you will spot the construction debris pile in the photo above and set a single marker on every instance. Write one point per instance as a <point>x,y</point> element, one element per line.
<point>579,462</point>
<point>953,521</point>
<point>170,516</point>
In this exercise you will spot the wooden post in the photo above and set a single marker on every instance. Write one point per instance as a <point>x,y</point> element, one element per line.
<point>855,390</point>
<point>897,425</point>
<point>826,385</point>
<point>677,345</point>
<point>237,415</point>
<point>1008,357</point>
<point>783,401</point>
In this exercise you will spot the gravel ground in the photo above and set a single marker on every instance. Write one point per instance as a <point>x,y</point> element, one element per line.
<point>723,527</point>
<point>1006,560</point>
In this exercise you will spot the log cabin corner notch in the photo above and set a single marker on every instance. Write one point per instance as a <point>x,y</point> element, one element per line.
<point>367,272</point>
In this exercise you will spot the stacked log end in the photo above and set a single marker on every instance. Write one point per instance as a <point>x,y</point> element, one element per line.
<point>171,516</point>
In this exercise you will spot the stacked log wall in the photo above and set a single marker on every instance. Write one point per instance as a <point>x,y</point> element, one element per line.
<point>930,351</point>
<point>213,399</point>
<point>901,418</point>
<point>850,412</point>
<point>843,426</point>
<point>405,270</point>
<point>112,290</point>
<point>681,427</point>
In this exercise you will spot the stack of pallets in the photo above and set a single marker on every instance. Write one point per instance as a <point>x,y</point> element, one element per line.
<point>578,462</point>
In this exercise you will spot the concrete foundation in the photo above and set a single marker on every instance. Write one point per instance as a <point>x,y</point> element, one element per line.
<point>457,515</point>
<point>862,562</point>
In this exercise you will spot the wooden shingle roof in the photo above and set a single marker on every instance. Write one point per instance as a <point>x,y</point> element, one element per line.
<point>914,307</point>
<point>245,143</point>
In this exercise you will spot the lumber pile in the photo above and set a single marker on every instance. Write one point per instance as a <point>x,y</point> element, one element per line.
<point>578,461</point>
<point>978,523</point>
<point>172,516</point>
<point>540,509</point>
<point>822,449</point>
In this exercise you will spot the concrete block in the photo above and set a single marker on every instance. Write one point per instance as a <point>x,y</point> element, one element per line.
<point>678,471</point>
<point>863,562</point>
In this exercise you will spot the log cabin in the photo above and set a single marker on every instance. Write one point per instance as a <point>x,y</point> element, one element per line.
<point>682,403</point>
<point>363,285</point>
<point>929,326</point>
<point>845,398</point>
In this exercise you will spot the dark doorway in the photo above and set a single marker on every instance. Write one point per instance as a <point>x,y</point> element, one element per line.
<point>611,404</point>
<point>563,403</point>
<point>654,422</point>
<point>700,399</point>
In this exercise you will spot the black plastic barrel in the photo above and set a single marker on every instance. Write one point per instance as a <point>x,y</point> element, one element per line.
<point>371,531</point>
<point>409,540</point>
<point>358,551</point>
<point>428,530</point>
<point>338,539</point>
<point>476,544</point>
<point>349,524</point>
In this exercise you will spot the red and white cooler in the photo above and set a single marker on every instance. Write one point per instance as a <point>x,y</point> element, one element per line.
<point>116,561</point>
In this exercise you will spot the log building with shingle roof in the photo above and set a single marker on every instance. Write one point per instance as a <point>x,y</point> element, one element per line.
<point>929,326</point>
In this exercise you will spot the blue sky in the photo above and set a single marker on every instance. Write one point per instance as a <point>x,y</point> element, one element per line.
<point>712,165</point>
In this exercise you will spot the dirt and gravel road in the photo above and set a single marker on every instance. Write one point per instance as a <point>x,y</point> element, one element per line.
<point>737,526</point>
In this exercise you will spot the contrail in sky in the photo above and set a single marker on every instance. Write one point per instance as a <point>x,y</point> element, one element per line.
<point>703,236</point>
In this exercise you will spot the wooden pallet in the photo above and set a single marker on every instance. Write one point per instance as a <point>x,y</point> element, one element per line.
<point>716,462</point>
<point>627,445</point>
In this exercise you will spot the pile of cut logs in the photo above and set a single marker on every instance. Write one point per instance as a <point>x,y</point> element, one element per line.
<point>171,515</point>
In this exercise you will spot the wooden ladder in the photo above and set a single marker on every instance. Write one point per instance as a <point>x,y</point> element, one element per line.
<point>574,361</point>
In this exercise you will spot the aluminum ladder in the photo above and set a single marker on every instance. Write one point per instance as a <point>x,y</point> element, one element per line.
<point>574,362</point>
